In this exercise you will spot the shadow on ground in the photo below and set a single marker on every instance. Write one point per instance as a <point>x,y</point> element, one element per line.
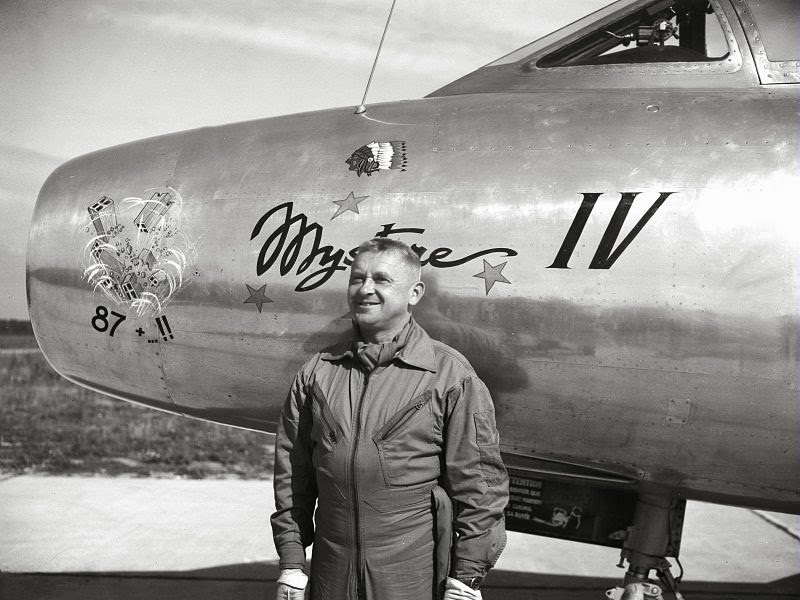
<point>256,581</point>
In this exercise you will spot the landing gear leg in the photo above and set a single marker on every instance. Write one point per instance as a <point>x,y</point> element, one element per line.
<point>637,586</point>
<point>666,578</point>
<point>655,534</point>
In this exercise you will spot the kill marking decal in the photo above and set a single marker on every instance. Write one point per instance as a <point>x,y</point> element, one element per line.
<point>257,296</point>
<point>350,203</point>
<point>377,156</point>
<point>143,269</point>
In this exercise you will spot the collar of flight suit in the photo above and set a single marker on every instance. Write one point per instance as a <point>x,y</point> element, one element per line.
<point>417,352</point>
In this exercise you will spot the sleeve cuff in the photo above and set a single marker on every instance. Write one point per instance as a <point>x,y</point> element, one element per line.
<point>292,556</point>
<point>467,569</point>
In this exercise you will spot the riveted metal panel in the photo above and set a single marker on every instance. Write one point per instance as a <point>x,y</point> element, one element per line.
<point>769,71</point>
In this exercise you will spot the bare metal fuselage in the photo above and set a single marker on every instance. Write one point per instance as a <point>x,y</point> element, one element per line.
<point>685,347</point>
<point>619,265</point>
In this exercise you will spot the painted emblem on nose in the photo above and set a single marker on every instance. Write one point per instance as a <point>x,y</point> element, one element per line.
<point>144,265</point>
<point>377,156</point>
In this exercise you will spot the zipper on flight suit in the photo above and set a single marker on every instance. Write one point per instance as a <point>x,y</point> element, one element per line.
<point>402,416</point>
<point>325,414</point>
<point>356,429</point>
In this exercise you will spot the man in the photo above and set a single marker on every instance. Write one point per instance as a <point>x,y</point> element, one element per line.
<point>394,436</point>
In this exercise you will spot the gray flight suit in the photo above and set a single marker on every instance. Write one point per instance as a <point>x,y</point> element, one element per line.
<point>383,453</point>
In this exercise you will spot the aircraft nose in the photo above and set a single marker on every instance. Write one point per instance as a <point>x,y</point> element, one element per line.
<point>152,267</point>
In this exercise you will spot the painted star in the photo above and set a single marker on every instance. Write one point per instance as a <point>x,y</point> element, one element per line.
<point>257,296</point>
<point>492,275</point>
<point>350,203</point>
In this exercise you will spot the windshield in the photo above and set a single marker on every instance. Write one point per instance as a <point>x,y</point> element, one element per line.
<point>625,33</point>
<point>559,34</point>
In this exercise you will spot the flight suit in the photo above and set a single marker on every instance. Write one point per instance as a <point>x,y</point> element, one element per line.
<point>377,449</point>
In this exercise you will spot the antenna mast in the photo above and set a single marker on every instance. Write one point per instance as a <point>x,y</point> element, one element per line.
<point>362,107</point>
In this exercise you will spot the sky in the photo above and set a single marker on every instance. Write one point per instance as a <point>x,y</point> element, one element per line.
<point>81,75</point>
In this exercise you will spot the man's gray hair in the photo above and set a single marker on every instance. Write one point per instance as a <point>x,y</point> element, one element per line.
<point>403,250</point>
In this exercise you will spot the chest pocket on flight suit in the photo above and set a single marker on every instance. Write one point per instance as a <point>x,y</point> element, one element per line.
<point>324,432</point>
<point>406,445</point>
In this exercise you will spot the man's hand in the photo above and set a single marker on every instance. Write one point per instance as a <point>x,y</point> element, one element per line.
<point>292,585</point>
<point>455,590</point>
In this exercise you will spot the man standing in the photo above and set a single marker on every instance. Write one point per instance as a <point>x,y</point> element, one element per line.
<point>392,436</point>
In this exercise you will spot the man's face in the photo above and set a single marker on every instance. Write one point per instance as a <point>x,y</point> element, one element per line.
<point>381,289</point>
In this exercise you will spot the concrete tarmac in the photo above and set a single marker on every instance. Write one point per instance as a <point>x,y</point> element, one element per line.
<point>166,539</point>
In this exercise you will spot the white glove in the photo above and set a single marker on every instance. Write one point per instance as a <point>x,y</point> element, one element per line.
<point>455,590</point>
<point>292,585</point>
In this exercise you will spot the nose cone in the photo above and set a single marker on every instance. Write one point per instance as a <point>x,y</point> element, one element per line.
<point>146,272</point>
<point>94,275</point>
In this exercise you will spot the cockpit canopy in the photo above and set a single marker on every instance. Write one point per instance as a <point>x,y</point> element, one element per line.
<point>643,43</point>
<point>665,31</point>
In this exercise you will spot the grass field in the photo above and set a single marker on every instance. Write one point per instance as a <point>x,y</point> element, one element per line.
<point>17,341</point>
<point>49,425</point>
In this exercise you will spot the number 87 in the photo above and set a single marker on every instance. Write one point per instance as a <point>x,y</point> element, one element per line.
<point>100,320</point>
